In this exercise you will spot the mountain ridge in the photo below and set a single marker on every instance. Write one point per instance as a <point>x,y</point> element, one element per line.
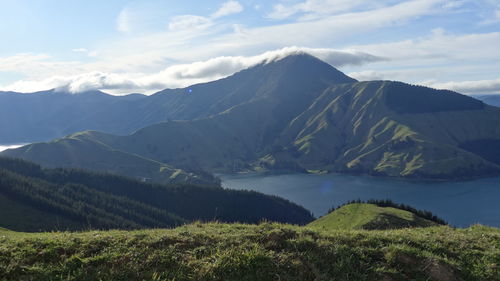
<point>302,114</point>
<point>37,116</point>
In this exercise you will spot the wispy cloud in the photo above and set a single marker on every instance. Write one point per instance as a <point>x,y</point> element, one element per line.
<point>189,22</point>
<point>161,56</point>
<point>36,65</point>
<point>313,8</point>
<point>228,8</point>
<point>123,21</point>
<point>329,29</point>
<point>181,75</point>
<point>196,23</point>
<point>80,50</point>
<point>470,87</point>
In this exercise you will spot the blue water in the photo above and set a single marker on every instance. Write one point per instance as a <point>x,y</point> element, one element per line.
<point>459,203</point>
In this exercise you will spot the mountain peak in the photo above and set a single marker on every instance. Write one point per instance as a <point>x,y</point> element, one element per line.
<point>303,66</point>
<point>315,66</point>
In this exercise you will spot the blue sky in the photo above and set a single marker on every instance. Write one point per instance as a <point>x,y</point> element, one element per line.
<point>144,46</point>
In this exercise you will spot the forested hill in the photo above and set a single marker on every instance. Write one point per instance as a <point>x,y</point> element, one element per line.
<point>62,199</point>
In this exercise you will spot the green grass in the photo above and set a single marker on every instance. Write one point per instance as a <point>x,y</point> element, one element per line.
<point>369,216</point>
<point>253,252</point>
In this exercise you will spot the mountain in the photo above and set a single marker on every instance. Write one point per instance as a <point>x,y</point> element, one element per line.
<point>46,115</point>
<point>42,116</point>
<point>369,216</point>
<point>299,114</point>
<point>489,99</point>
<point>34,199</point>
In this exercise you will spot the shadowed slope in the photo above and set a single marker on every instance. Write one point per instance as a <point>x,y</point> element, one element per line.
<point>34,198</point>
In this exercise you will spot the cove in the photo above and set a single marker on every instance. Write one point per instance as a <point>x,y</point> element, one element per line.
<point>459,203</point>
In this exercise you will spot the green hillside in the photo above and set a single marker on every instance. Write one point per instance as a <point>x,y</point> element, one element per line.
<point>34,199</point>
<point>73,152</point>
<point>369,216</point>
<point>253,252</point>
<point>314,120</point>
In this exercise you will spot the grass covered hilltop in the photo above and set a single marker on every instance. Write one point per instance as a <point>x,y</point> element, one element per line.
<point>267,251</point>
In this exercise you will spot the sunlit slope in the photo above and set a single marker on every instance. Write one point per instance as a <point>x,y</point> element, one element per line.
<point>369,216</point>
<point>367,128</point>
<point>308,119</point>
<point>348,128</point>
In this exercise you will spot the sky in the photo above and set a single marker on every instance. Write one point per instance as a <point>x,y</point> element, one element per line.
<point>145,46</point>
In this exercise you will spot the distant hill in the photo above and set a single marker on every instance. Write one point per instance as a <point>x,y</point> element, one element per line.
<point>489,99</point>
<point>34,199</point>
<point>297,114</point>
<point>97,156</point>
<point>369,216</point>
<point>45,115</point>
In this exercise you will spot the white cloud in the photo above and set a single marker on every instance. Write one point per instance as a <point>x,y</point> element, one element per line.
<point>123,21</point>
<point>454,4</point>
<point>196,23</point>
<point>439,45</point>
<point>441,56</point>
<point>331,29</point>
<point>80,50</point>
<point>314,8</point>
<point>189,22</point>
<point>36,65</point>
<point>182,75</point>
<point>93,54</point>
<point>470,87</point>
<point>489,86</point>
<point>228,8</point>
<point>367,75</point>
<point>490,13</point>
<point>145,51</point>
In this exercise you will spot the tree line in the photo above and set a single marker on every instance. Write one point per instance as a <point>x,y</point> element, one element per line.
<point>104,201</point>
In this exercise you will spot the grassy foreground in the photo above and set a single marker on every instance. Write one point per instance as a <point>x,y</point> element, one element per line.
<point>253,252</point>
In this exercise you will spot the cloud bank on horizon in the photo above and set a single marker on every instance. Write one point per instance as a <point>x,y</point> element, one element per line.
<point>183,75</point>
<point>146,46</point>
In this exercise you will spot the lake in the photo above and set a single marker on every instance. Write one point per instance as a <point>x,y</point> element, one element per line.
<point>459,203</point>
